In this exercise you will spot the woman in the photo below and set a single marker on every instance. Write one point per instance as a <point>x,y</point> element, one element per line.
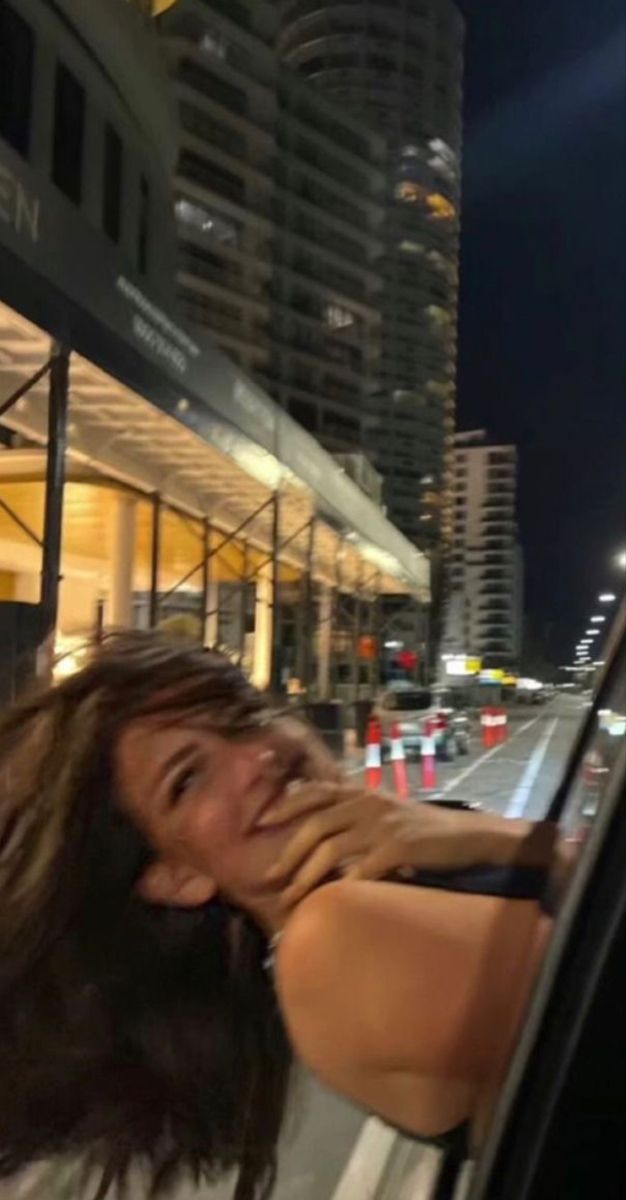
<point>160,827</point>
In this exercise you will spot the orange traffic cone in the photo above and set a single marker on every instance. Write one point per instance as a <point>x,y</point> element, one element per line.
<point>487,721</point>
<point>398,761</point>
<point>428,760</point>
<point>373,762</point>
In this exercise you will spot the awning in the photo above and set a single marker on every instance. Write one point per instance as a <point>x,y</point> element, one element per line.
<point>205,462</point>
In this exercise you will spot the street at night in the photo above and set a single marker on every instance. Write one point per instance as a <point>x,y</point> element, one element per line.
<point>312,599</point>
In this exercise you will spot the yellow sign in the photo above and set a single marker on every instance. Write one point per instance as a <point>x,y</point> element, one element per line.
<point>510,680</point>
<point>473,666</point>
<point>495,675</point>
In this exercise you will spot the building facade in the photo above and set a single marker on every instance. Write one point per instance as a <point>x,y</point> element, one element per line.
<point>399,64</point>
<point>485,599</point>
<point>144,478</point>
<point>279,204</point>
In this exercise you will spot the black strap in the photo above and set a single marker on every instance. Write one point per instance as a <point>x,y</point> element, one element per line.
<point>510,883</point>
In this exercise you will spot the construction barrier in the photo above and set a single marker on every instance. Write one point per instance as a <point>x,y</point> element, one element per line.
<point>398,762</point>
<point>373,758</point>
<point>428,758</point>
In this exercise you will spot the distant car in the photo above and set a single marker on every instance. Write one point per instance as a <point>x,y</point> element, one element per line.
<point>411,707</point>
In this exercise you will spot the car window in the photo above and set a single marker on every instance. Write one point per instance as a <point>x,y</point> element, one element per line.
<point>591,795</point>
<point>605,739</point>
<point>413,701</point>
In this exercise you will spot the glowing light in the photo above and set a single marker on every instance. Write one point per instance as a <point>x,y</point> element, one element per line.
<point>607,598</point>
<point>597,620</point>
<point>441,208</point>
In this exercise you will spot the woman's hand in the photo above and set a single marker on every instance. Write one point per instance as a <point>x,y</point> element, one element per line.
<point>369,835</point>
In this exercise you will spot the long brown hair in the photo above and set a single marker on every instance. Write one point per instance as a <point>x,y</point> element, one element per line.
<point>127,1033</point>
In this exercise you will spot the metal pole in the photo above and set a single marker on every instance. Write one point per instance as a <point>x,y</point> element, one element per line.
<point>377,623</point>
<point>308,624</point>
<point>356,636</point>
<point>275,676</point>
<point>55,483</point>
<point>155,557</point>
<point>243,603</point>
<point>206,579</point>
<point>335,623</point>
<point>99,629</point>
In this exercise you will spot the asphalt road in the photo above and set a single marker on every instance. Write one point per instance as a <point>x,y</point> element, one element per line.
<point>517,778</point>
<point>331,1151</point>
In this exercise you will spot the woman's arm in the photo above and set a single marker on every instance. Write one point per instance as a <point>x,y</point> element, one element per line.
<point>407,1000</point>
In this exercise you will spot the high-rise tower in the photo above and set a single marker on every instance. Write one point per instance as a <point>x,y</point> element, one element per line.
<point>398,64</point>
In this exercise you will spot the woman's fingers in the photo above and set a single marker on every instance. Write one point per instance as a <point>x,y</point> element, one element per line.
<point>298,799</point>
<point>302,798</point>
<point>328,857</point>
<point>322,824</point>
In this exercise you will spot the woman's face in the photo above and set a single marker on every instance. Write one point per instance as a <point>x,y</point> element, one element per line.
<point>198,797</point>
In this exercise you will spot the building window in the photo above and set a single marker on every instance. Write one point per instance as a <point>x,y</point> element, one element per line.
<point>17,53</point>
<point>207,221</point>
<point>304,413</point>
<point>68,137</point>
<point>409,192</point>
<point>143,232</point>
<point>441,209</point>
<point>337,317</point>
<point>112,184</point>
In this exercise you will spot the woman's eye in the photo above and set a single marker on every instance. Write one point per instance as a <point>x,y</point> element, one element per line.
<point>182,784</point>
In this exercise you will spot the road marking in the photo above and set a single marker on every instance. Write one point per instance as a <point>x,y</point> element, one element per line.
<point>364,1169</point>
<point>519,800</point>
<point>454,783</point>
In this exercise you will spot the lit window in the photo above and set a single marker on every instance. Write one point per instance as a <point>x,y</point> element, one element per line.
<point>337,317</point>
<point>202,219</point>
<point>213,45</point>
<point>411,247</point>
<point>441,208</point>
<point>410,192</point>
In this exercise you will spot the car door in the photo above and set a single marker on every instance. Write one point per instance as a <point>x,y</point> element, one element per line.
<point>559,1132</point>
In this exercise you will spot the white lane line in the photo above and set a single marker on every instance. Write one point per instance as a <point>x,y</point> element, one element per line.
<point>364,1169</point>
<point>454,783</point>
<point>519,800</point>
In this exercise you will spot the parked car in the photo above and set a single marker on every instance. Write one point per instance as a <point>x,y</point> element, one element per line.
<point>411,707</point>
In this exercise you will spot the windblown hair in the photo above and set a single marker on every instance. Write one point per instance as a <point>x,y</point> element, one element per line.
<point>128,1033</point>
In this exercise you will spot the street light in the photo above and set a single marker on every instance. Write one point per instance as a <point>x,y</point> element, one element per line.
<point>592,632</point>
<point>597,620</point>
<point>621,560</point>
<point>607,598</point>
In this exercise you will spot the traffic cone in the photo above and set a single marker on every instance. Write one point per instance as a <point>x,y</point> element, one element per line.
<point>504,725</point>
<point>373,761</point>
<point>428,759</point>
<point>487,721</point>
<point>398,761</point>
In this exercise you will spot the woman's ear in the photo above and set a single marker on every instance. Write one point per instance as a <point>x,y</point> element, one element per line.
<point>173,884</point>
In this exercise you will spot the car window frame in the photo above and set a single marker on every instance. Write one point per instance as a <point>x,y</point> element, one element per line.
<point>514,1121</point>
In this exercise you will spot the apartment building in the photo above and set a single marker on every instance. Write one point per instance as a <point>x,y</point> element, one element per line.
<point>279,200</point>
<point>398,64</point>
<point>485,602</point>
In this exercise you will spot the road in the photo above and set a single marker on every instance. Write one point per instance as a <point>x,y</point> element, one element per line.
<point>331,1151</point>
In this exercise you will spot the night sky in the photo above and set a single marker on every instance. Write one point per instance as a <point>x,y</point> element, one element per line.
<point>543,287</point>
